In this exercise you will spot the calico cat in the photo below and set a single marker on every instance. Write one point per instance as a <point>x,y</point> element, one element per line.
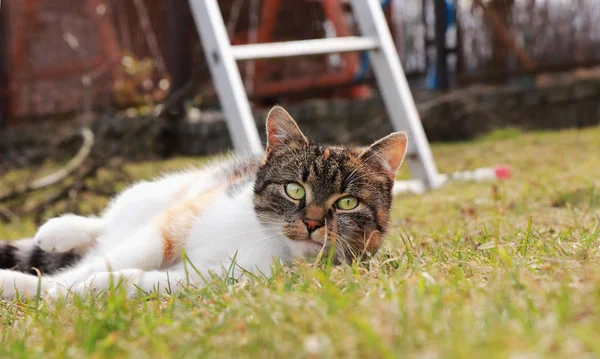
<point>296,201</point>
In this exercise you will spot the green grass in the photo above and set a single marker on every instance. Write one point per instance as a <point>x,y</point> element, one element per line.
<point>489,270</point>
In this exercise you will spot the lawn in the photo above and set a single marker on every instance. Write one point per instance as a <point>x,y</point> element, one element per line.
<point>489,270</point>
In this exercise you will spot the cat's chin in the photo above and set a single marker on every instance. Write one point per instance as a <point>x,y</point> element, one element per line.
<point>306,249</point>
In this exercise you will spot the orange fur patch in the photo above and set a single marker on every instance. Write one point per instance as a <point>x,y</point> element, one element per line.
<point>175,223</point>
<point>326,153</point>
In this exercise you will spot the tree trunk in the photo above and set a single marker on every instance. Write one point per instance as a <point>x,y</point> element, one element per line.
<point>4,71</point>
<point>500,54</point>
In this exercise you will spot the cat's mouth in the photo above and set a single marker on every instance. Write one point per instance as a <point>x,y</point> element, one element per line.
<point>306,240</point>
<point>297,233</point>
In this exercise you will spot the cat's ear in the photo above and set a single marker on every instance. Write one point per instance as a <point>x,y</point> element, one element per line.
<point>388,151</point>
<point>282,131</point>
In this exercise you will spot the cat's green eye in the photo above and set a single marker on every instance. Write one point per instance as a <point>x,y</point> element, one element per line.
<point>347,203</point>
<point>295,190</point>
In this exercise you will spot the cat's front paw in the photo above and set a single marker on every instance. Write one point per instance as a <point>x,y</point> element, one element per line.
<point>13,284</point>
<point>60,234</point>
<point>7,287</point>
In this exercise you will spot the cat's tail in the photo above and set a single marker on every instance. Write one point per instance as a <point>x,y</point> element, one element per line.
<point>25,256</point>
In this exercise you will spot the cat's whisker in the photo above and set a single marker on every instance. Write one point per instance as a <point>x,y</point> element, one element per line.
<point>271,239</point>
<point>346,245</point>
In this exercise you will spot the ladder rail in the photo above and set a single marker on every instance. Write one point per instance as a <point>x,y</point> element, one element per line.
<point>303,47</point>
<point>396,94</point>
<point>226,77</point>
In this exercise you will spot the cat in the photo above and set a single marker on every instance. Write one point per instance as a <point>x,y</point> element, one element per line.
<point>296,201</point>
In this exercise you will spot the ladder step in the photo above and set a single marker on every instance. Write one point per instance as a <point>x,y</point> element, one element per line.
<point>303,47</point>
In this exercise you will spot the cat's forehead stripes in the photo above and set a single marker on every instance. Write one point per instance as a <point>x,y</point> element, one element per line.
<point>334,168</point>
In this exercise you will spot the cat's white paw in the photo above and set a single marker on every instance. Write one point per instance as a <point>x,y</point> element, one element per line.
<point>15,283</point>
<point>7,288</point>
<point>63,234</point>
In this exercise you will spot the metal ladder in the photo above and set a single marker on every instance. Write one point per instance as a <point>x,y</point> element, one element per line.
<point>376,39</point>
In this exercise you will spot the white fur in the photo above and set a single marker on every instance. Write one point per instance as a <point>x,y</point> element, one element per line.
<point>125,246</point>
<point>82,234</point>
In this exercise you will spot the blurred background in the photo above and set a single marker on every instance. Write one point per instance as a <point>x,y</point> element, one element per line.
<point>59,60</point>
<point>133,71</point>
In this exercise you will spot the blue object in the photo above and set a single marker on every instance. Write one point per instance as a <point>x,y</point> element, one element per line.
<point>431,79</point>
<point>364,67</point>
<point>450,13</point>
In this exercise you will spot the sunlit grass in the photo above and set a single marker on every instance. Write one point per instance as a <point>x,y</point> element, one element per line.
<point>472,270</point>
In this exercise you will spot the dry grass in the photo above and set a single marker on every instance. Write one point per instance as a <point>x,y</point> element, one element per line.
<point>472,270</point>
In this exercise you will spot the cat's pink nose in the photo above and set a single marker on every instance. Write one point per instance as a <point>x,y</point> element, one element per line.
<point>312,225</point>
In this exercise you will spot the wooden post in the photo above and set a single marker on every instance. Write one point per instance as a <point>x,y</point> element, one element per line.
<point>441,72</point>
<point>179,67</point>
<point>179,57</point>
<point>4,70</point>
<point>425,34</point>
<point>503,33</point>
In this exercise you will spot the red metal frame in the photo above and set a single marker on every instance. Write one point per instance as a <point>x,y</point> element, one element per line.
<point>334,11</point>
<point>107,35</point>
<point>26,25</point>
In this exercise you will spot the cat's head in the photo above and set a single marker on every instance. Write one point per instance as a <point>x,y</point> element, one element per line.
<point>330,195</point>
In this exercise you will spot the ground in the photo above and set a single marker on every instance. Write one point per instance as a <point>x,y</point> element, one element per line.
<point>471,270</point>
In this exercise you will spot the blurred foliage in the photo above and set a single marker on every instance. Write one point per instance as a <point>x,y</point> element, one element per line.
<point>136,85</point>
